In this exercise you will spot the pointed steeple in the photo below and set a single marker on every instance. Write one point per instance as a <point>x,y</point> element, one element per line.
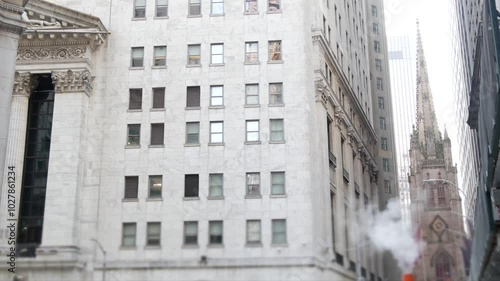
<point>426,122</point>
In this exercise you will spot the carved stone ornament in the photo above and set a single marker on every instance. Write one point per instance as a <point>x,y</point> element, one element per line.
<point>59,53</point>
<point>22,82</point>
<point>339,117</point>
<point>322,91</point>
<point>72,81</point>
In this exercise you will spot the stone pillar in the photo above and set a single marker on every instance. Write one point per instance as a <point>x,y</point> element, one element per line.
<point>66,163</point>
<point>11,28</point>
<point>15,148</point>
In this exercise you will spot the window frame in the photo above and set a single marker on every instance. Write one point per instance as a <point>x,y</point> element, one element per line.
<point>387,187</point>
<point>259,223</point>
<point>131,101</point>
<point>220,2</point>
<point>376,46</point>
<point>375,28</point>
<point>197,133</point>
<point>133,59</point>
<point>247,96</point>
<point>271,131</point>
<point>273,174</point>
<point>191,5</point>
<point>247,185</point>
<point>382,123</point>
<point>157,92</point>
<point>380,84</point>
<point>151,184</point>
<point>150,235</point>
<point>185,236</point>
<point>386,165</point>
<point>196,194</point>
<point>216,55</point>
<point>215,98</point>
<point>129,135</point>
<point>269,5</point>
<point>378,65</point>
<point>131,186</point>
<point>381,103</point>
<point>157,58</point>
<point>273,54</point>
<point>216,133</point>
<point>249,53</point>
<point>154,127</point>
<point>191,57</point>
<point>384,144</point>
<point>195,90</point>
<point>210,234</point>
<point>374,11</point>
<point>247,7</point>
<point>134,235</point>
<point>211,187</point>
<point>159,6</point>
<point>273,231</point>
<point>276,98</point>
<point>134,15</point>
<point>247,123</point>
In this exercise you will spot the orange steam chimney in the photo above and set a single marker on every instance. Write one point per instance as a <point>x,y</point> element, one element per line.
<point>408,277</point>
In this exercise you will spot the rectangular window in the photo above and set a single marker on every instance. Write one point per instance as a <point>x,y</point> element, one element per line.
<point>194,54</point>
<point>128,234</point>
<point>251,52</point>
<point>153,234</point>
<point>217,52</point>
<point>381,103</point>
<point>139,9</point>
<point>157,133</point>
<point>215,188</point>
<point>160,55</point>
<point>376,46</point>
<point>161,8</point>
<point>252,94</point>
<point>251,6</point>
<point>190,233</point>
<point>380,85</point>
<point>155,186</point>
<point>194,7</point>
<point>133,135</point>
<point>277,129</point>
<point>375,28</point>
<point>253,184</point>
<point>137,57</point>
<point>252,127</point>
<point>217,7</point>
<point>382,123</point>
<point>374,10</point>
<point>378,65</point>
<point>215,229</point>
<point>131,187</point>
<point>135,99</point>
<point>253,232</point>
<point>216,132</point>
<point>191,185</point>
<point>279,231</point>
<point>278,183</point>
<point>387,187</point>
<point>274,5</point>
<point>276,93</point>
<point>193,96</point>
<point>383,143</point>
<point>158,97</point>
<point>193,132</point>
<point>216,95</point>
<point>274,50</point>
<point>385,163</point>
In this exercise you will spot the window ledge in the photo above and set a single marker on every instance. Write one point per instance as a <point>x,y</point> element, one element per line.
<point>159,67</point>
<point>158,199</point>
<point>157,109</point>
<point>252,105</point>
<point>152,247</point>
<point>191,198</point>
<point>190,246</point>
<point>191,145</point>
<point>193,108</point>
<point>215,197</point>
<point>130,200</point>
<point>156,145</point>
<point>193,65</point>
<point>252,63</point>
<point>275,62</point>
<point>216,144</point>
<point>194,16</point>
<point>217,15</point>
<point>136,68</point>
<point>277,105</point>
<point>128,248</point>
<point>134,110</point>
<point>279,245</point>
<point>139,19</point>
<point>216,107</point>
<point>215,246</point>
<point>251,13</point>
<point>160,18</point>
<point>253,196</point>
<point>274,12</point>
<point>132,146</point>
<point>278,196</point>
<point>216,64</point>
<point>254,245</point>
<point>252,142</point>
<point>277,142</point>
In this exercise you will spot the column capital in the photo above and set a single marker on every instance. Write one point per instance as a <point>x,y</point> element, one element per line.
<point>72,81</point>
<point>22,84</point>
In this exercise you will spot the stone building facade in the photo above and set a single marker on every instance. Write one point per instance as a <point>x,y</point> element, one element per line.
<point>192,140</point>
<point>436,205</point>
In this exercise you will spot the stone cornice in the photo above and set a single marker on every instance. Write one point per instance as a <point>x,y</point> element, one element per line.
<point>10,19</point>
<point>72,81</point>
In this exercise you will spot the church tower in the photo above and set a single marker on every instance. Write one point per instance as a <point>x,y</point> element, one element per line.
<point>436,205</point>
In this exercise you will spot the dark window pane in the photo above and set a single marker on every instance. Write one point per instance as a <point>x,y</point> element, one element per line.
<point>157,132</point>
<point>193,97</point>
<point>131,187</point>
<point>135,99</point>
<point>191,185</point>
<point>158,97</point>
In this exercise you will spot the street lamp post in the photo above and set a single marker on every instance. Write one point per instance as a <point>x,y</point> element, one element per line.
<point>103,257</point>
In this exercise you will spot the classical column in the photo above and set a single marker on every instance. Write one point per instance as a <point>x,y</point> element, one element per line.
<point>66,163</point>
<point>15,150</point>
<point>11,27</point>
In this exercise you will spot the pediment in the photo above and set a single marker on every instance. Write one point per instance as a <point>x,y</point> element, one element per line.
<point>55,32</point>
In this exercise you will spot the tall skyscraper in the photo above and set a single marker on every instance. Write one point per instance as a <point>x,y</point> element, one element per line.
<point>436,207</point>
<point>402,65</point>
<point>188,140</point>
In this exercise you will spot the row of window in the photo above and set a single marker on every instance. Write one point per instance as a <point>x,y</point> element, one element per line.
<point>193,94</point>
<point>215,185</point>
<point>216,54</point>
<point>215,233</point>
<point>194,7</point>
<point>216,132</point>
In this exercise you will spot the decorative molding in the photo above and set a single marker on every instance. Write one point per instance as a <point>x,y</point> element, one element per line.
<point>322,91</point>
<point>59,53</point>
<point>22,84</point>
<point>10,7</point>
<point>72,81</point>
<point>11,28</point>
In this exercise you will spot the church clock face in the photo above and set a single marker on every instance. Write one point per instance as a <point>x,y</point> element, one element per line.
<point>438,226</point>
